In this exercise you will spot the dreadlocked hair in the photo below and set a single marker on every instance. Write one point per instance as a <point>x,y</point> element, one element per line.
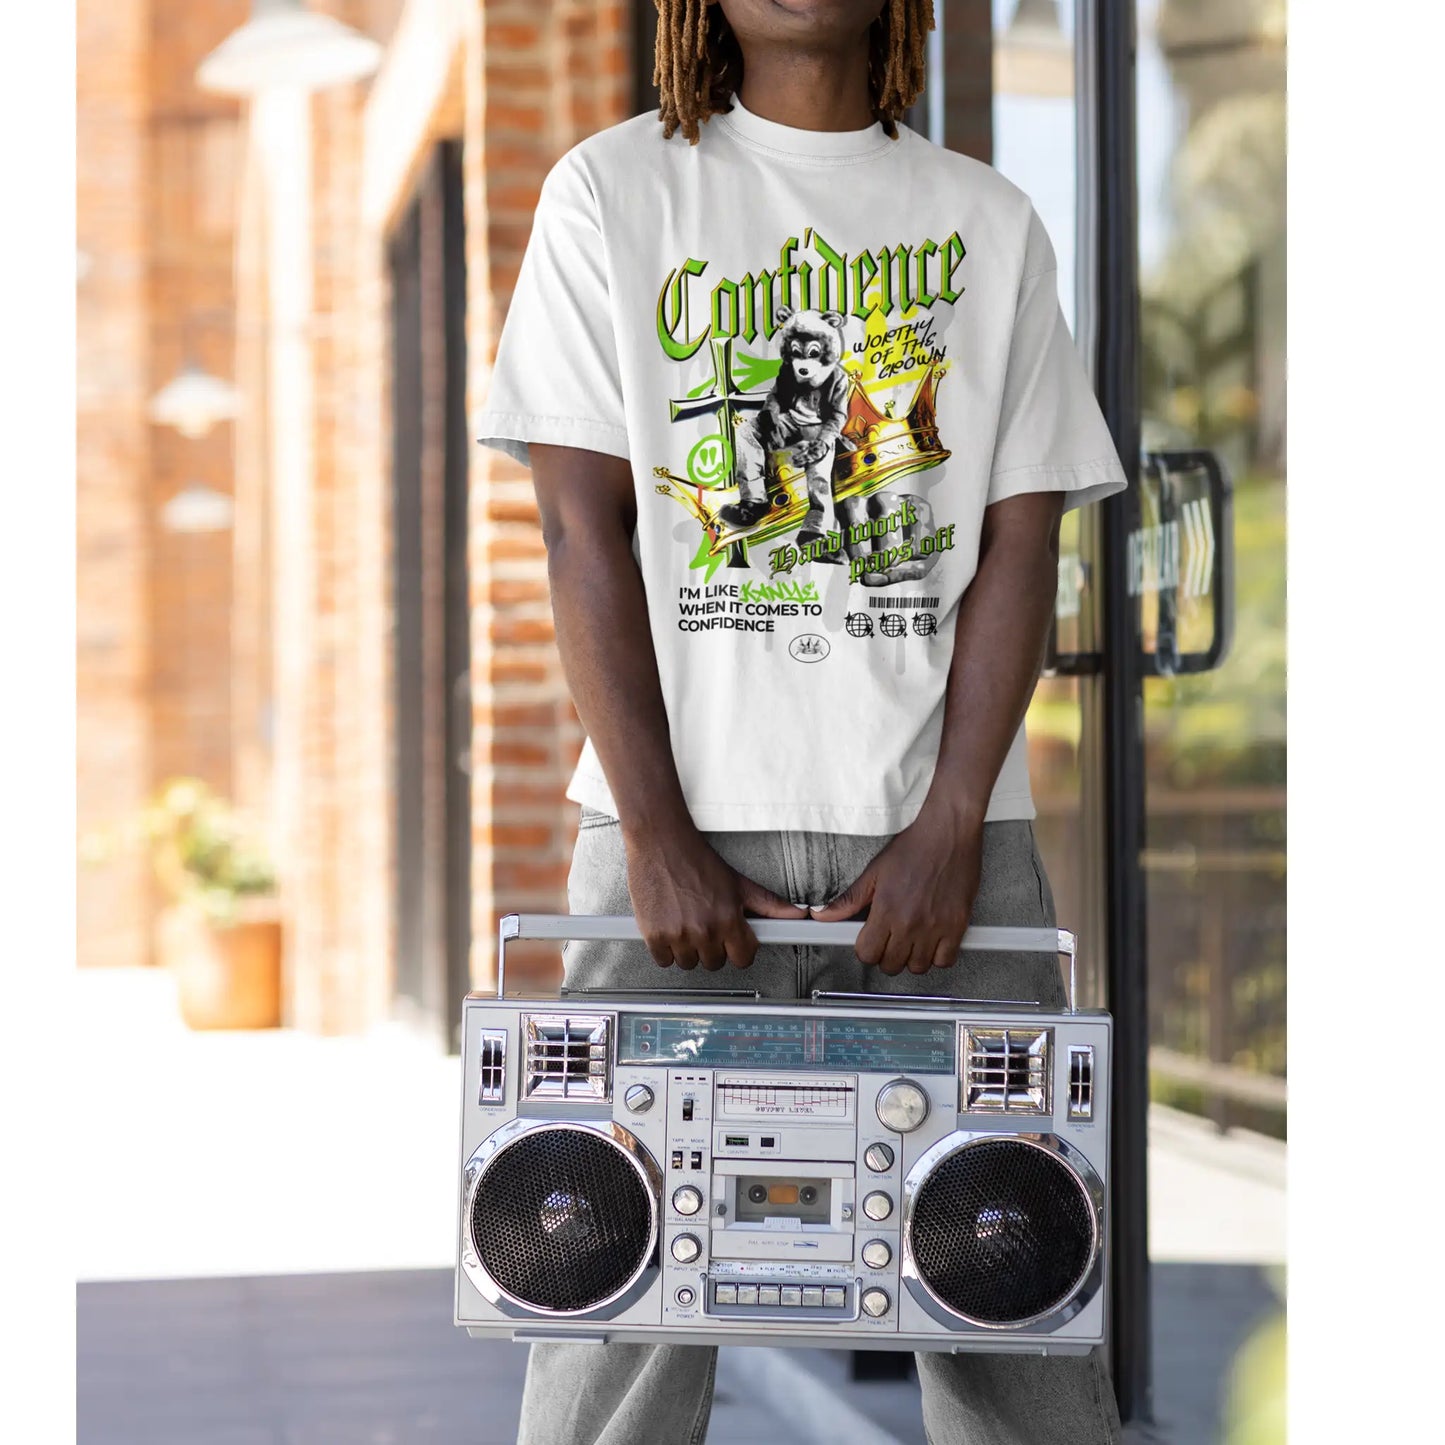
<point>699,63</point>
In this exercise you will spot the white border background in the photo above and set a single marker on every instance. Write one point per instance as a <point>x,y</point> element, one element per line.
<point>45,1184</point>
<point>1367,532</point>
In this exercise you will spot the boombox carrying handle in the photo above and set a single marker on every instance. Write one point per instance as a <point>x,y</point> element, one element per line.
<point>622,928</point>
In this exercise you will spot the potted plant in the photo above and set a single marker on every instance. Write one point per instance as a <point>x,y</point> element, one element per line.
<point>220,933</point>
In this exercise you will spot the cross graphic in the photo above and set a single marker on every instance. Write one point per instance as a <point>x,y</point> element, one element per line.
<point>730,405</point>
<point>724,398</point>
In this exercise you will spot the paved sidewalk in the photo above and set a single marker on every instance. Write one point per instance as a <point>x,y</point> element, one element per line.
<point>373,1359</point>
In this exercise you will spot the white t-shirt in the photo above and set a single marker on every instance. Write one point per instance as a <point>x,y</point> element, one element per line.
<point>824,354</point>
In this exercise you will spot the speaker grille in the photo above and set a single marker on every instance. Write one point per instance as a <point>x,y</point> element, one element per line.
<point>1006,1071</point>
<point>561,1220</point>
<point>1002,1232</point>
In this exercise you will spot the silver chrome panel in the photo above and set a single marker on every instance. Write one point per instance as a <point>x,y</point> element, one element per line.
<point>553,1042</point>
<point>986,1072</point>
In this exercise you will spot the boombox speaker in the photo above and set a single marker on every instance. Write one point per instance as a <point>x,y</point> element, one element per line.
<point>865,1171</point>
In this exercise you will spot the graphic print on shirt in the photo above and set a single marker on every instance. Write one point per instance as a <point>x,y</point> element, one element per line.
<point>815,388</point>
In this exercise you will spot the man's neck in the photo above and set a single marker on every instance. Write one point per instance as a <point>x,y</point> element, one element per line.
<point>809,90</point>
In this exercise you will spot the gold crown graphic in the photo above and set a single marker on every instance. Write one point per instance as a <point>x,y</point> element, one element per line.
<point>885,449</point>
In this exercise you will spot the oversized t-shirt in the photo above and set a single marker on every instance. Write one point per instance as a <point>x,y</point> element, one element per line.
<point>824,355</point>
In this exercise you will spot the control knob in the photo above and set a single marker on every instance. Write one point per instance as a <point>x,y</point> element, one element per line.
<point>877,1254</point>
<point>638,1098</point>
<point>879,1158</point>
<point>877,1206</point>
<point>875,1302</point>
<point>902,1106</point>
<point>687,1200</point>
<point>686,1248</point>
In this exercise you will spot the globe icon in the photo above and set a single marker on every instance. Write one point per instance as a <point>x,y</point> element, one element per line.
<point>859,624</point>
<point>925,624</point>
<point>891,624</point>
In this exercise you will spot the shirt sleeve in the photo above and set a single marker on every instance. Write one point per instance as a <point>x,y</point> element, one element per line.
<point>556,378</point>
<point>1051,433</point>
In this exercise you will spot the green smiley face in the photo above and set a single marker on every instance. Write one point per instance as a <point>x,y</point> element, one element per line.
<point>709,463</point>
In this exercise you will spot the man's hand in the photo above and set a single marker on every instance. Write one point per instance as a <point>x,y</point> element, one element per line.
<point>918,893</point>
<point>689,904</point>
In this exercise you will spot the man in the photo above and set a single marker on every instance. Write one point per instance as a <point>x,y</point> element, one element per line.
<point>803,415</point>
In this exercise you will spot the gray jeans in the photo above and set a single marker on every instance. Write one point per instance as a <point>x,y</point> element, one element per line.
<point>620,1394</point>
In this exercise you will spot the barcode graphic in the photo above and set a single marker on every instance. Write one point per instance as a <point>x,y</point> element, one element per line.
<point>903,602</point>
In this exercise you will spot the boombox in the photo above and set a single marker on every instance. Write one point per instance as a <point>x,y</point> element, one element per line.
<point>857,1170</point>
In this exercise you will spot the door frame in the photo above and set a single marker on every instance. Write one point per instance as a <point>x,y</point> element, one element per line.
<point>431,697</point>
<point>1121,737</point>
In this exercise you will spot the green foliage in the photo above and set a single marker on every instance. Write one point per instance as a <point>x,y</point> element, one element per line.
<point>1228,727</point>
<point>1256,1403</point>
<point>200,852</point>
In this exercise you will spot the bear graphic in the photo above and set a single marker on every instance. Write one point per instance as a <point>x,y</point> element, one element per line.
<point>803,415</point>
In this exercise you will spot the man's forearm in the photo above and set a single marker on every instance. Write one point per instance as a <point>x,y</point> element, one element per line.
<point>605,642</point>
<point>1003,625</point>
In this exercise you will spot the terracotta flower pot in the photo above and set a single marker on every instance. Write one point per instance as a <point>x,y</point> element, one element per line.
<point>227,977</point>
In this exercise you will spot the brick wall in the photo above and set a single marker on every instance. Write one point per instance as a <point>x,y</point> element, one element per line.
<point>156,211</point>
<point>549,75</point>
<point>190,315</point>
<point>180,633</point>
<point>112,456</point>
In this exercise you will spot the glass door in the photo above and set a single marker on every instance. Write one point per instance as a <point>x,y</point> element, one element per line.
<point>1211,96</point>
<point>1157,739</point>
<point>1191,266</point>
<point>1209,580</point>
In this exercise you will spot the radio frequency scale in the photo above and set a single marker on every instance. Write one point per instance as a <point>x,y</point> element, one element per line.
<point>863,1171</point>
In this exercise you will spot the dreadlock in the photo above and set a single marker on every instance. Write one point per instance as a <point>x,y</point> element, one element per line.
<point>700,64</point>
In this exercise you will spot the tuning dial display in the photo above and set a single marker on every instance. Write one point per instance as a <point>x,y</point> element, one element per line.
<point>686,1248</point>
<point>877,1254</point>
<point>902,1106</point>
<point>878,1157</point>
<point>639,1098</point>
<point>875,1302</point>
<point>687,1200</point>
<point>877,1205</point>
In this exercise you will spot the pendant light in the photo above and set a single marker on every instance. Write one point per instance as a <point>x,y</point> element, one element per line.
<point>194,401</point>
<point>285,44</point>
<point>198,509</point>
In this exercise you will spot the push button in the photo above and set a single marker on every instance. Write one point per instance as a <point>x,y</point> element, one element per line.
<point>747,1294</point>
<point>835,1299</point>
<point>792,1296</point>
<point>725,1294</point>
<point>812,1297</point>
<point>767,1294</point>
